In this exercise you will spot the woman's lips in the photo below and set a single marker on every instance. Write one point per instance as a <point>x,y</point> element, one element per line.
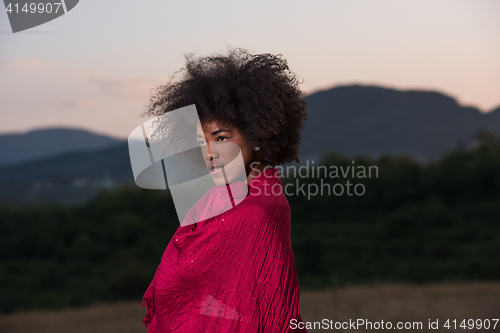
<point>216,169</point>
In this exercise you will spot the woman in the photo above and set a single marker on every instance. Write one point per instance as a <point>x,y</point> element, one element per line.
<point>235,271</point>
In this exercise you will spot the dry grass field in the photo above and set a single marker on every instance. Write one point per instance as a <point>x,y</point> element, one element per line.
<point>405,303</point>
<point>394,303</point>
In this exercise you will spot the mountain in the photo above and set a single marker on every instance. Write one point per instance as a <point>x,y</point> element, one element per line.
<point>493,119</point>
<point>68,178</point>
<point>33,145</point>
<point>369,120</point>
<point>113,161</point>
<point>353,120</point>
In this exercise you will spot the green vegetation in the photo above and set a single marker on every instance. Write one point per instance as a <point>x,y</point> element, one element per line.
<point>415,223</point>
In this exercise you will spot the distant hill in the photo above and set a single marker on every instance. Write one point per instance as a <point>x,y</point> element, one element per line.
<point>352,120</point>
<point>493,120</point>
<point>368,120</point>
<point>33,145</point>
<point>111,162</point>
<point>68,178</point>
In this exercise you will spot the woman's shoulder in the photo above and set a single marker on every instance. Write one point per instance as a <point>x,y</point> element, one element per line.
<point>267,186</point>
<point>265,197</point>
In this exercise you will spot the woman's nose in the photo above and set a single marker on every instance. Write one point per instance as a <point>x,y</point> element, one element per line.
<point>212,152</point>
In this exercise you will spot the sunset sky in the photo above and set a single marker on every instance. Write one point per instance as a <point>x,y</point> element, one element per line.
<point>92,67</point>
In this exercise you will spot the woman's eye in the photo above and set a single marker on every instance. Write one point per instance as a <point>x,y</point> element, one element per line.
<point>221,138</point>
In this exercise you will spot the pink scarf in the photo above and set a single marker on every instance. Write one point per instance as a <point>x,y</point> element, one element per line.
<point>234,272</point>
<point>216,201</point>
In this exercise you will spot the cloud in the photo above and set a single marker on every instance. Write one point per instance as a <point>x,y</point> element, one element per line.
<point>122,88</point>
<point>96,90</point>
<point>31,65</point>
<point>78,103</point>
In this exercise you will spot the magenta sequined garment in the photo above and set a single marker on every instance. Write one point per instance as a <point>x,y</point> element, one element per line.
<point>234,272</point>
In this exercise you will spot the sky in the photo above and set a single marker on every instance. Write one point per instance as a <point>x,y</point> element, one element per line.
<point>94,67</point>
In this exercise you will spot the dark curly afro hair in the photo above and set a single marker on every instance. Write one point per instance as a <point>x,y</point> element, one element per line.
<point>256,93</point>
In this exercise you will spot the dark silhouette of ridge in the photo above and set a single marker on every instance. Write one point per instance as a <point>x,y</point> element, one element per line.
<point>72,165</point>
<point>18,148</point>
<point>369,120</point>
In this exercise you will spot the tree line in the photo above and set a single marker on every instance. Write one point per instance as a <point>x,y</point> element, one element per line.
<point>414,223</point>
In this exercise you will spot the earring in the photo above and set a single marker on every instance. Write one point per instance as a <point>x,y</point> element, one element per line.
<point>257,148</point>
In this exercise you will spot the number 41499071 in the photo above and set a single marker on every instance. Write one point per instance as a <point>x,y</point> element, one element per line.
<point>34,8</point>
<point>472,324</point>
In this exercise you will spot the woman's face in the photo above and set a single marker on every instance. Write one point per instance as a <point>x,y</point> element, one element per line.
<point>221,148</point>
